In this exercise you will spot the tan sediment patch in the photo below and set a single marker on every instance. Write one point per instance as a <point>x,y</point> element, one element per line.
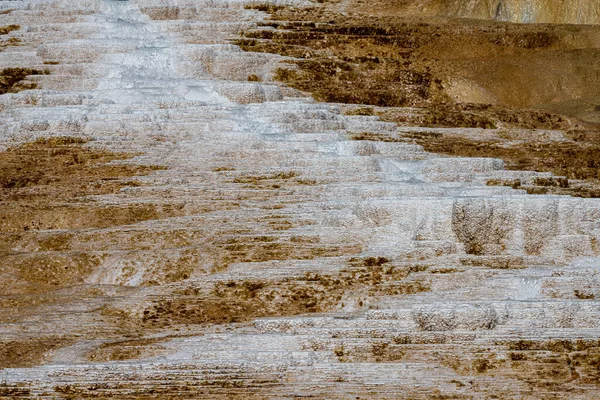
<point>47,271</point>
<point>525,11</point>
<point>162,13</point>
<point>126,350</point>
<point>22,353</point>
<point>174,270</point>
<point>23,305</point>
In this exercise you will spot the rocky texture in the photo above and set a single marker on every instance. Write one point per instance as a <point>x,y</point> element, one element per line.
<point>194,230</point>
<point>529,11</point>
<point>376,54</point>
<point>521,11</point>
<point>419,72</point>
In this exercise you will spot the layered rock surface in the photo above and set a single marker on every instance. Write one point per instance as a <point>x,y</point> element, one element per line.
<point>521,11</point>
<point>280,258</point>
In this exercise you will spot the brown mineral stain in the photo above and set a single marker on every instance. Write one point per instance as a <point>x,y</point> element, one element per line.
<point>244,300</point>
<point>575,163</point>
<point>391,59</point>
<point>40,180</point>
<point>551,364</point>
<point>22,353</point>
<point>45,185</point>
<point>6,29</point>
<point>12,80</point>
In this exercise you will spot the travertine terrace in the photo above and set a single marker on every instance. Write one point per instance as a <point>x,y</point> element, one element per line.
<point>226,238</point>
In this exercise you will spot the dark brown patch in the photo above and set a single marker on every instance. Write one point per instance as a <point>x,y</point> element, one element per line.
<point>570,159</point>
<point>38,180</point>
<point>264,7</point>
<point>556,363</point>
<point>14,391</point>
<point>484,116</point>
<point>11,41</point>
<point>12,80</point>
<point>56,164</point>
<point>249,249</point>
<point>575,162</point>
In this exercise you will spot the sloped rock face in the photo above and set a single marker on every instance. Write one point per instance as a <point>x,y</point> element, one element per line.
<point>231,240</point>
<point>521,11</point>
<point>527,11</point>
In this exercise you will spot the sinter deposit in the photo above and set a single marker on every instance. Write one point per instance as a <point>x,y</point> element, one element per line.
<point>175,224</point>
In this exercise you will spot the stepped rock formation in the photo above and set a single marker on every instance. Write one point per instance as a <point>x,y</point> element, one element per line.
<point>176,225</point>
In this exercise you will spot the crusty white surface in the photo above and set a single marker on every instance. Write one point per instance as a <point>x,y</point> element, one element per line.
<point>125,80</point>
